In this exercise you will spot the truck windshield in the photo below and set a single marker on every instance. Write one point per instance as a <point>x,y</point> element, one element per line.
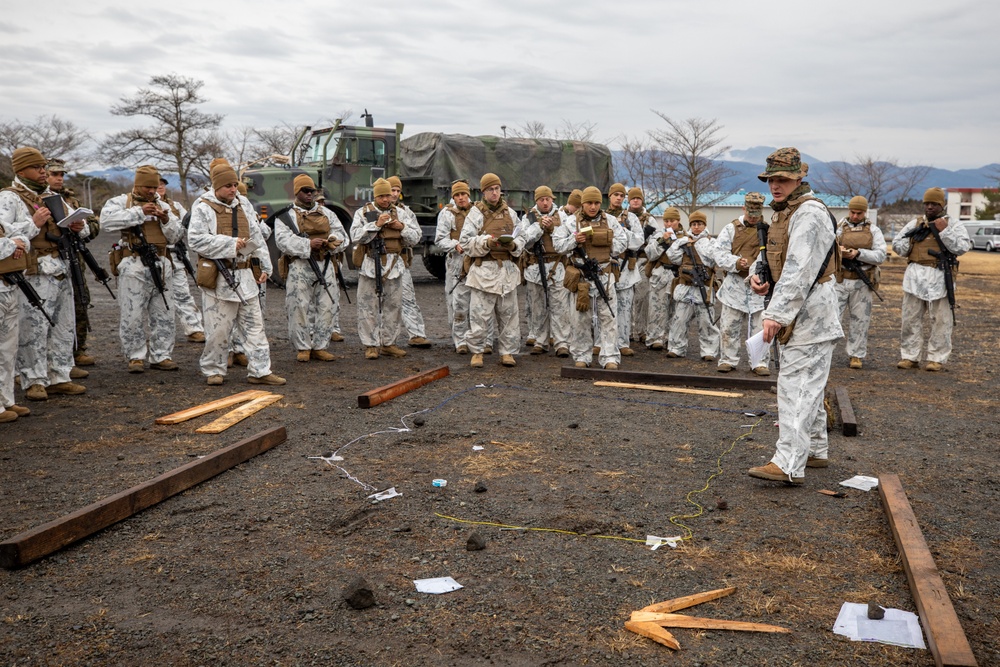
<point>313,151</point>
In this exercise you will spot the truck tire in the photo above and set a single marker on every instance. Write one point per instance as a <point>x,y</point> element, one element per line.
<point>435,265</point>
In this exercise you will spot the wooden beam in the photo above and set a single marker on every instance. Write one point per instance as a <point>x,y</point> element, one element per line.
<point>39,542</point>
<point>239,414</point>
<point>847,418</point>
<point>676,390</point>
<point>370,399</point>
<point>689,600</point>
<point>684,621</point>
<point>654,632</point>
<point>211,406</point>
<point>945,636</point>
<point>705,381</point>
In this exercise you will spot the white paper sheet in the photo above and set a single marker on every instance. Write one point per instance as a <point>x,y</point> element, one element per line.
<point>385,495</point>
<point>78,214</point>
<point>248,249</point>
<point>899,628</point>
<point>756,348</point>
<point>861,482</point>
<point>437,585</point>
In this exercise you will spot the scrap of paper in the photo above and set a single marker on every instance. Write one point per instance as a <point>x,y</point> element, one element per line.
<point>437,585</point>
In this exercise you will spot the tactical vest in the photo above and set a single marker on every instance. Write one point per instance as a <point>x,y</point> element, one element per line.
<point>550,252</point>
<point>460,215</point>
<point>224,224</point>
<point>496,223</point>
<point>856,237</point>
<point>599,243</point>
<point>315,225</point>
<point>173,207</point>
<point>10,265</point>
<point>393,238</point>
<point>920,250</point>
<point>687,266</point>
<point>745,245</point>
<point>40,244</point>
<point>151,229</point>
<point>777,241</point>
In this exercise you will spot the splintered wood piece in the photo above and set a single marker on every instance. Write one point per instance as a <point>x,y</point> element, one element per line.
<point>945,636</point>
<point>370,399</point>
<point>835,494</point>
<point>668,606</point>
<point>676,390</point>
<point>707,381</point>
<point>684,621</point>
<point>39,542</point>
<point>239,414</point>
<point>654,632</point>
<point>211,406</point>
<point>847,419</point>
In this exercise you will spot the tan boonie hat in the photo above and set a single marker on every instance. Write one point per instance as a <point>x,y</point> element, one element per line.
<point>575,198</point>
<point>785,163</point>
<point>488,181</point>
<point>381,187</point>
<point>635,193</point>
<point>460,187</point>
<point>147,176</point>
<point>671,214</point>
<point>302,181</point>
<point>697,216</point>
<point>753,202</point>
<point>543,191</point>
<point>935,196</point>
<point>858,203</point>
<point>56,166</point>
<point>590,195</point>
<point>25,157</point>
<point>616,187</point>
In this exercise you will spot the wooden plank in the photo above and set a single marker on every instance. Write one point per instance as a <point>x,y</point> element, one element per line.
<point>945,635</point>
<point>211,406</point>
<point>39,542</point>
<point>239,414</point>
<point>689,600</point>
<point>370,399</point>
<point>654,632</point>
<point>716,381</point>
<point>847,418</point>
<point>676,390</point>
<point>684,621</point>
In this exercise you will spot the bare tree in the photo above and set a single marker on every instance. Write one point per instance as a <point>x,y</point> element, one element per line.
<point>582,131</point>
<point>181,139</point>
<point>53,136</point>
<point>276,140</point>
<point>532,129</point>
<point>879,180</point>
<point>647,166</point>
<point>694,147</point>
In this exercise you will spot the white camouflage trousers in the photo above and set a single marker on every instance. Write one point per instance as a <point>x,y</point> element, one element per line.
<point>688,304</point>
<point>236,345</point>
<point>554,322</point>
<point>413,320</point>
<point>8,346</point>
<point>625,304</point>
<point>661,309</point>
<point>184,303</point>
<point>911,333</point>
<point>731,325</point>
<point>141,305</point>
<point>801,415</point>
<point>483,307</point>
<point>310,310</point>
<point>458,303</point>
<point>855,297</point>
<point>372,332</point>
<point>222,318</point>
<point>45,352</point>
<point>582,344</point>
<point>640,306</point>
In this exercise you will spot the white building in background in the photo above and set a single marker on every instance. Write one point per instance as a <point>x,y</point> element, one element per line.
<point>964,202</point>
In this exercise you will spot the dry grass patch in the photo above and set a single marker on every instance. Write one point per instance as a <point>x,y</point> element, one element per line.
<point>502,458</point>
<point>781,562</point>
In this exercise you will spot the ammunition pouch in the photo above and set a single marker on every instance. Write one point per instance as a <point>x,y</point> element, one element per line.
<point>602,237</point>
<point>283,263</point>
<point>571,281</point>
<point>358,254</point>
<point>206,274</point>
<point>115,257</point>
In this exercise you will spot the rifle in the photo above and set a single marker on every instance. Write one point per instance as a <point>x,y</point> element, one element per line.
<point>538,250</point>
<point>592,272</point>
<point>180,248</point>
<point>340,280</point>
<point>150,259</point>
<point>313,264</point>
<point>947,262</point>
<point>763,268</point>
<point>700,277</point>
<point>377,245</point>
<point>78,247</point>
<point>858,268</point>
<point>16,278</point>
<point>55,205</point>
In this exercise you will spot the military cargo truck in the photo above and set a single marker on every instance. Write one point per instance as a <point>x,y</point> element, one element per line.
<point>345,160</point>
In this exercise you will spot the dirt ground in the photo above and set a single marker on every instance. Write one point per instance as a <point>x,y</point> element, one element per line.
<point>248,568</point>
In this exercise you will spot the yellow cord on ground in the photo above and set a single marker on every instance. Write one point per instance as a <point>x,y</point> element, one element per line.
<point>718,464</point>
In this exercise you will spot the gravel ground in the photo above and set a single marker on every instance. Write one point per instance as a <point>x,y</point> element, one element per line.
<point>249,568</point>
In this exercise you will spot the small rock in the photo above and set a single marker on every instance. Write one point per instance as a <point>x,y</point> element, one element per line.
<point>480,488</point>
<point>410,602</point>
<point>419,420</point>
<point>358,594</point>
<point>574,425</point>
<point>875,612</point>
<point>476,542</point>
<point>121,457</point>
<point>721,504</point>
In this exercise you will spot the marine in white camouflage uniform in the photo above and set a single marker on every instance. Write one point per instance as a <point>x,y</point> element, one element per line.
<point>860,240</point>
<point>184,304</point>
<point>316,233</point>
<point>13,259</point>
<point>236,347</point>
<point>736,249</point>
<point>924,291</point>
<point>640,301</point>
<point>628,271</point>
<point>413,319</point>
<point>457,294</point>
<point>800,250</point>
<point>44,352</point>
<point>661,273</point>
<point>688,301</point>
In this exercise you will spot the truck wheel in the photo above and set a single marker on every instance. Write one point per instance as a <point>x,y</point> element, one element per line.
<point>435,265</point>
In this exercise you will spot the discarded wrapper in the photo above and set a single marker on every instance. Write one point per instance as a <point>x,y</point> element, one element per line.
<point>657,542</point>
<point>439,482</point>
<point>384,495</point>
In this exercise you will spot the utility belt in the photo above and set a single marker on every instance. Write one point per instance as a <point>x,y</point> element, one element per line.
<point>549,257</point>
<point>161,250</point>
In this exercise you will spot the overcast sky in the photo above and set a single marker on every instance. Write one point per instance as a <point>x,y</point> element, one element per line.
<point>917,81</point>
